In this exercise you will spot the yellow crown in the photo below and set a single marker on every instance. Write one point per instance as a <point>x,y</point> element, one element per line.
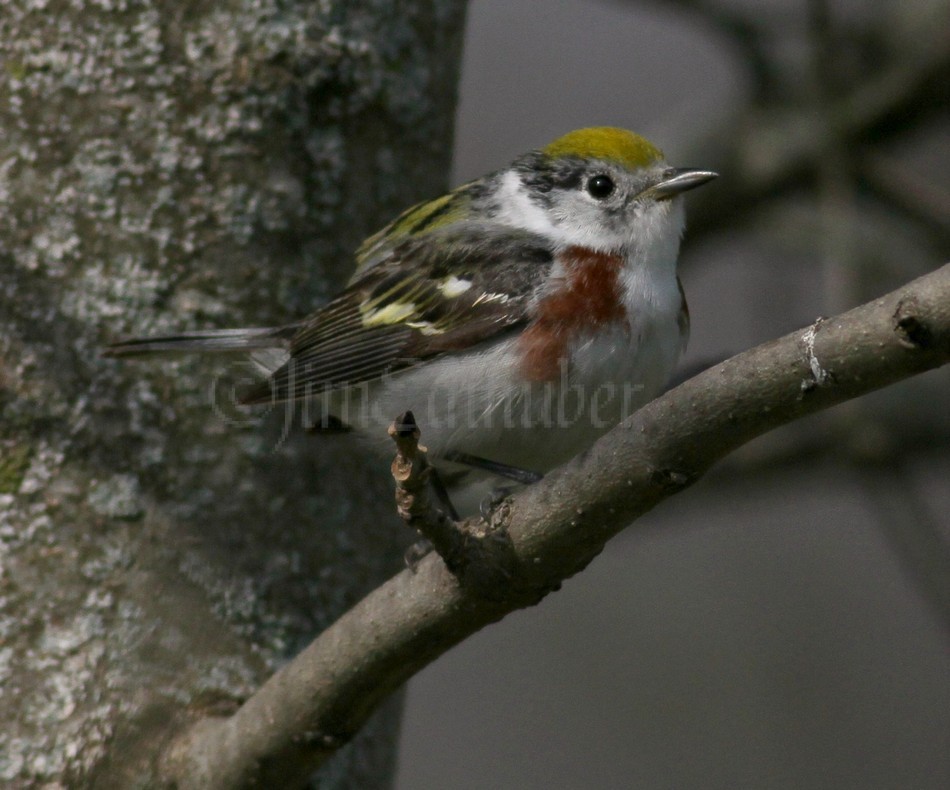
<point>606,142</point>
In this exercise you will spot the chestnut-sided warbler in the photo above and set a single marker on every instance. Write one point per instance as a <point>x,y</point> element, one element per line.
<point>519,316</point>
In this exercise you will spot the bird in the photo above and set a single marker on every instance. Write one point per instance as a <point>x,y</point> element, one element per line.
<point>519,316</point>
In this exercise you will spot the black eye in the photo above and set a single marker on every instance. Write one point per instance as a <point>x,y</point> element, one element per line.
<point>600,187</point>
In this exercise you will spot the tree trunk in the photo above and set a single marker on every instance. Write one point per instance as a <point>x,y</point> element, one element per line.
<point>168,166</point>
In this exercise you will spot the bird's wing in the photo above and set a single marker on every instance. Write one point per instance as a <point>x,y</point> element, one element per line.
<point>443,292</point>
<point>421,220</point>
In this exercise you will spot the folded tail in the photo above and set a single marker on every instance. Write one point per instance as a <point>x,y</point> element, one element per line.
<point>209,341</point>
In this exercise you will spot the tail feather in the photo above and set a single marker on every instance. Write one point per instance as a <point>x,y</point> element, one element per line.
<point>209,341</point>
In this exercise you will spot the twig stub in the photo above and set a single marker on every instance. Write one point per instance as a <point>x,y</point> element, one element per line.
<point>480,555</point>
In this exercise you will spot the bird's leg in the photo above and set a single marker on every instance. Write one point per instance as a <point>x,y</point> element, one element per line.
<point>499,493</point>
<point>525,476</point>
<point>442,493</point>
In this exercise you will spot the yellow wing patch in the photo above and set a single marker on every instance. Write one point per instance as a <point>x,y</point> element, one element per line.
<point>609,143</point>
<point>408,300</point>
<point>392,313</point>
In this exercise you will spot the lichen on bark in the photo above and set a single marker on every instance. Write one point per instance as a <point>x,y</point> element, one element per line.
<point>168,166</point>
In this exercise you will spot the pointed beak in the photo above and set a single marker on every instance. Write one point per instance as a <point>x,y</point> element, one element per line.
<point>675,180</point>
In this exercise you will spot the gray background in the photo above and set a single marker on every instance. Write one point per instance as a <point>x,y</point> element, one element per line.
<point>760,630</point>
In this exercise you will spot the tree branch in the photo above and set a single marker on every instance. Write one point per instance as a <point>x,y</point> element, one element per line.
<point>318,701</point>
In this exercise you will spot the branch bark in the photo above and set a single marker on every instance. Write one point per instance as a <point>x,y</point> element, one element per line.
<point>318,701</point>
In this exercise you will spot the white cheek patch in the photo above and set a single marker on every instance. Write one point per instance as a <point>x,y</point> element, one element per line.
<point>577,220</point>
<point>519,210</point>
